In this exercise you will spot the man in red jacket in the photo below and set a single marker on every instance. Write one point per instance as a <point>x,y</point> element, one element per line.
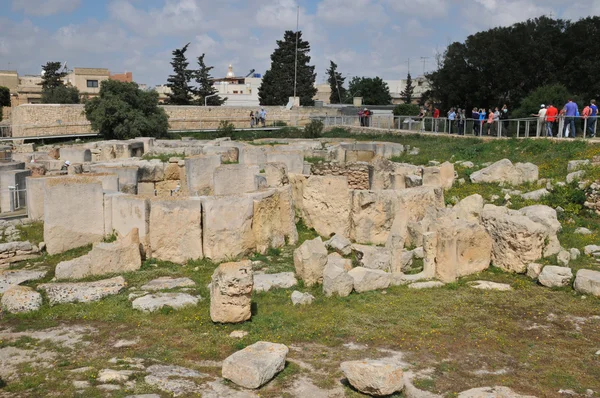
<point>551,114</point>
<point>436,116</point>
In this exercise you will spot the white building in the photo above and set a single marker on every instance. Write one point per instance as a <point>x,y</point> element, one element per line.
<point>239,90</point>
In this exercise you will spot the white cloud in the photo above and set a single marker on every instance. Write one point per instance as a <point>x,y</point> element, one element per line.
<point>423,8</point>
<point>350,12</point>
<point>43,8</point>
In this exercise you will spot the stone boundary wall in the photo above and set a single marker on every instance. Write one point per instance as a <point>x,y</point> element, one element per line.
<point>39,120</point>
<point>356,172</point>
<point>6,112</point>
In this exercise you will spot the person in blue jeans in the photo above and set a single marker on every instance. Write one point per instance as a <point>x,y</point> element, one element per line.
<point>592,119</point>
<point>570,114</point>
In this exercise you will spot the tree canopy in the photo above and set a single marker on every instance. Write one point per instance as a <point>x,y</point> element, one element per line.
<point>52,76</point>
<point>205,85</point>
<point>407,94</point>
<point>278,82</point>
<point>123,111</point>
<point>505,64</point>
<point>60,95</point>
<point>179,81</point>
<point>4,96</point>
<point>374,91</point>
<point>336,83</point>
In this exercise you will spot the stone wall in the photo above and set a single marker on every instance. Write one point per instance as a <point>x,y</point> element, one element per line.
<point>357,172</point>
<point>37,120</point>
<point>6,113</point>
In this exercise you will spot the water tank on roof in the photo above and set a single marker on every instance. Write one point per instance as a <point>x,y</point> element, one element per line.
<point>257,75</point>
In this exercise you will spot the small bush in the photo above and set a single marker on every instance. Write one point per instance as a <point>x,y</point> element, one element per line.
<point>280,123</point>
<point>225,129</point>
<point>314,129</point>
<point>406,110</point>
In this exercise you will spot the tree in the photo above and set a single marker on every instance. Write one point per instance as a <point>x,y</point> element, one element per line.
<point>123,111</point>
<point>407,94</point>
<point>4,96</point>
<point>374,91</point>
<point>336,83</point>
<point>278,82</point>
<point>407,110</point>
<point>60,95</point>
<point>205,85</point>
<point>555,94</point>
<point>179,81</point>
<point>52,76</point>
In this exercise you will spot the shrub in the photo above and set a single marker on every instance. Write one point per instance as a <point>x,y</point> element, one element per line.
<point>314,129</point>
<point>225,129</point>
<point>406,110</point>
<point>280,123</point>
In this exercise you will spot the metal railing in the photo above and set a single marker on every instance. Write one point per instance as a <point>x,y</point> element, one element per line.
<point>13,201</point>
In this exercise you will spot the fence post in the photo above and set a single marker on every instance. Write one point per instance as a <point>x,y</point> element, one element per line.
<point>584,127</point>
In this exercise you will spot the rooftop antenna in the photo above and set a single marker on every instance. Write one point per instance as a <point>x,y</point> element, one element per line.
<point>296,55</point>
<point>424,59</point>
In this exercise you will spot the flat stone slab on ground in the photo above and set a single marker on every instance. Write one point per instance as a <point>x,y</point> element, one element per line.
<point>164,283</point>
<point>83,292</point>
<point>20,299</point>
<point>154,302</point>
<point>116,376</point>
<point>10,278</point>
<point>173,370</point>
<point>425,285</point>
<point>256,364</point>
<point>488,285</point>
<point>376,378</point>
<point>266,282</point>
<point>492,392</point>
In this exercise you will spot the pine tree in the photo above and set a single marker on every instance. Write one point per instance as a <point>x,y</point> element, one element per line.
<point>205,85</point>
<point>179,81</point>
<point>52,77</point>
<point>407,94</point>
<point>336,82</point>
<point>278,82</point>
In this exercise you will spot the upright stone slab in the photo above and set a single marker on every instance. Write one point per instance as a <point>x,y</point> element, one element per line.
<point>310,260</point>
<point>129,212</point>
<point>294,160</point>
<point>35,197</point>
<point>326,205</point>
<point>176,230</point>
<point>75,154</point>
<point>230,179</point>
<point>73,213</point>
<point>231,292</point>
<point>199,171</point>
<point>227,226</point>
<point>373,213</point>
<point>128,175</point>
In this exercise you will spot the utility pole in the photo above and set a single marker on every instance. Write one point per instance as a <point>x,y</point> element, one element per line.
<point>409,65</point>
<point>296,59</point>
<point>424,59</point>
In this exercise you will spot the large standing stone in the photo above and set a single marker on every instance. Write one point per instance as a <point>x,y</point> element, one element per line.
<point>373,213</point>
<point>176,230</point>
<point>326,204</point>
<point>588,282</point>
<point>199,171</point>
<point>129,212</point>
<point>310,260</point>
<point>504,171</point>
<point>73,213</point>
<point>21,299</point>
<point>231,292</point>
<point>470,208</point>
<point>336,280</point>
<point>366,279</point>
<point>83,292</point>
<point>546,216</point>
<point>273,220</point>
<point>517,240</point>
<point>554,276</point>
<point>255,365</point>
<point>230,179</point>
<point>376,378</point>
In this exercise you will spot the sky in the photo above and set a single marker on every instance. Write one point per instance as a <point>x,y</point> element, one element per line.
<point>364,37</point>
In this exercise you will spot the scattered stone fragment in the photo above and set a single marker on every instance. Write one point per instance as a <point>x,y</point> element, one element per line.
<point>83,292</point>
<point>81,384</point>
<point>336,280</point>
<point>166,282</point>
<point>583,231</point>
<point>340,244</point>
<point>588,282</point>
<point>176,387</point>
<point>154,302</point>
<point>310,260</point>
<point>575,253</point>
<point>238,334</point>
<point>591,249</point>
<point>575,176</point>
<point>108,387</point>
<point>299,298</point>
<point>366,279</point>
<point>376,378</point>
<point>117,376</point>
<point>487,285</point>
<point>19,299</point>
<point>143,396</point>
<point>125,343</point>
<point>266,282</point>
<point>425,285</point>
<point>173,371</point>
<point>563,257</point>
<point>231,292</point>
<point>9,278</point>
<point>81,370</point>
<point>554,276</point>
<point>375,257</point>
<point>255,365</point>
<point>536,195</point>
<point>534,270</point>
<point>492,392</point>
<point>575,165</point>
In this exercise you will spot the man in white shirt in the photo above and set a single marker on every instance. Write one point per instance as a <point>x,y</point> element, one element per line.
<point>541,115</point>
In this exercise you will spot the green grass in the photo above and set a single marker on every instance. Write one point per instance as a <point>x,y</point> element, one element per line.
<point>313,159</point>
<point>34,232</point>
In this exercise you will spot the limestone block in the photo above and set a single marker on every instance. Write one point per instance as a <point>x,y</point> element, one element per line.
<point>150,170</point>
<point>382,173</point>
<point>517,240</point>
<point>554,276</point>
<point>19,299</point>
<point>326,202</point>
<point>266,282</point>
<point>375,378</point>
<point>269,225</point>
<point>154,302</point>
<point>199,171</point>
<point>172,171</point>
<point>492,392</point>
<point>470,208</point>
<point>299,298</point>
<point>373,257</point>
<point>175,227</point>
<point>336,280</point>
<point>442,176</point>
<point>294,160</point>
<point>83,292</point>
<point>340,244</point>
<point>373,214</point>
<point>412,181</point>
<point>228,154</point>
<point>75,154</point>
<point>128,175</point>
<point>130,212</point>
<point>35,197</point>
<point>145,189</point>
<point>255,155</point>
<point>575,176</point>
<point>310,260</point>
<point>547,217</point>
<point>575,165</point>
<point>504,171</point>
<point>534,270</point>
<point>227,226</point>
<point>10,278</point>
<point>73,213</point>
<point>276,173</point>
<point>255,365</point>
<point>231,292</point>
<point>563,257</point>
<point>230,179</point>
<point>166,282</point>
<point>366,279</point>
<point>588,282</point>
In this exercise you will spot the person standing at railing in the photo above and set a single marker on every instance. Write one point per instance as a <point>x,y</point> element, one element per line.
<point>361,117</point>
<point>451,119</point>
<point>570,114</point>
<point>490,121</point>
<point>504,118</point>
<point>462,120</point>
<point>482,116</point>
<point>593,117</point>
<point>496,120</point>
<point>252,119</point>
<point>436,117</point>
<point>541,127</point>
<point>551,114</point>
<point>422,114</point>
<point>585,114</point>
<point>263,117</point>
<point>476,123</point>
<point>367,117</point>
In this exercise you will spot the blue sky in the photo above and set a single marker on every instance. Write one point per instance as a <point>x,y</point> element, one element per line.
<point>365,37</point>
